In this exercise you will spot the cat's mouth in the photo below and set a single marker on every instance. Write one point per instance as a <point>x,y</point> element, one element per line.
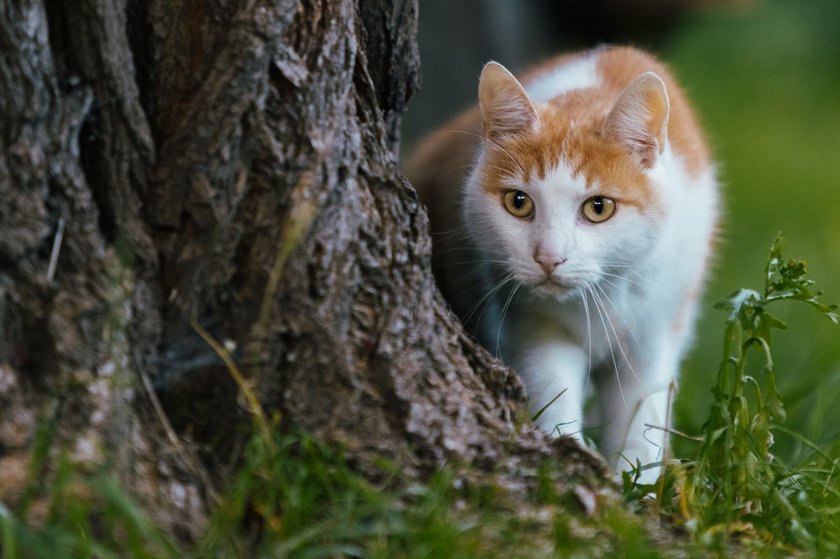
<point>552,286</point>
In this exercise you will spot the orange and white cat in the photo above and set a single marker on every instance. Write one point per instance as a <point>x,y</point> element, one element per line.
<point>573,215</point>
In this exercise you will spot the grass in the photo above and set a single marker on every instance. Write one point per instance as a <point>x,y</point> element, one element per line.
<point>295,497</point>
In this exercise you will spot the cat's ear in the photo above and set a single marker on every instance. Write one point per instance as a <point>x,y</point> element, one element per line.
<point>505,107</point>
<point>639,119</point>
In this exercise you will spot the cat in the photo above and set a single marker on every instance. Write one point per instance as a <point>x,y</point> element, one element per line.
<point>573,217</point>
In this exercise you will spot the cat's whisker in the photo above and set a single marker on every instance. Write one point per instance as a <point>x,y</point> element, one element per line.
<point>504,314</point>
<point>622,289</point>
<point>634,290</point>
<point>468,276</point>
<point>449,234</point>
<point>651,309</point>
<point>588,337</point>
<point>617,312</point>
<point>495,143</point>
<point>498,289</point>
<point>612,327</point>
<point>481,261</point>
<point>598,307</point>
<point>625,277</point>
<point>486,298</point>
<point>624,272</point>
<point>629,273</point>
<point>453,230</point>
<point>453,240</point>
<point>500,169</point>
<point>453,170</point>
<point>619,264</point>
<point>468,248</point>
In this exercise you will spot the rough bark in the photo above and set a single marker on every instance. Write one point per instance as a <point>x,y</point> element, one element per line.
<point>164,154</point>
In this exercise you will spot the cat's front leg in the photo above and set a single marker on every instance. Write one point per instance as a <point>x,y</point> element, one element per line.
<point>635,403</point>
<point>554,371</point>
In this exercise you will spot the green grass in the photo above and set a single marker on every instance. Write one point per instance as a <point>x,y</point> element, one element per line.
<point>86,516</point>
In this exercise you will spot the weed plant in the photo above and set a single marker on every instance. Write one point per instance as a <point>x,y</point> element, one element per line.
<point>735,488</point>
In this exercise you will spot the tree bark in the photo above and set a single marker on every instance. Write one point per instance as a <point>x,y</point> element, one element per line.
<point>175,163</point>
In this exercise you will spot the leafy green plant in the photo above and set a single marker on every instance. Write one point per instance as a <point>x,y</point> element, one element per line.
<point>735,488</point>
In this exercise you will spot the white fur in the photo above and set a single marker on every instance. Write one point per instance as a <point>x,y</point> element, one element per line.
<point>622,320</point>
<point>577,74</point>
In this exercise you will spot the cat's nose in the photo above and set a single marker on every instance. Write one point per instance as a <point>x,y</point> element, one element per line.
<point>548,261</point>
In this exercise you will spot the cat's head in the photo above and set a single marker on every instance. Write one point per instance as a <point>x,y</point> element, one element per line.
<point>568,193</point>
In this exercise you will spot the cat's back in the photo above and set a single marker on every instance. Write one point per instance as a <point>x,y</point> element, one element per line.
<point>441,163</point>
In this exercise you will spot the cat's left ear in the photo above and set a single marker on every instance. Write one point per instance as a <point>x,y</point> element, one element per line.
<point>505,107</point>
<point>639,119</point>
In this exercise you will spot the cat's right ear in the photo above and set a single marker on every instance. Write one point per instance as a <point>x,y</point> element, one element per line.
<point>639,119</point>
<point>505,107</point>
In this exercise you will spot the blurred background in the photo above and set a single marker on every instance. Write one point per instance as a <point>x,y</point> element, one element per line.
<point>764,76</point>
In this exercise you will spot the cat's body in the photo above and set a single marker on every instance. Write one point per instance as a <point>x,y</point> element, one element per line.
<point>572,223</point>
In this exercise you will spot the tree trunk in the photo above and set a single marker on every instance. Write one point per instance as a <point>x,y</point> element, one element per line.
<point>169,166</point>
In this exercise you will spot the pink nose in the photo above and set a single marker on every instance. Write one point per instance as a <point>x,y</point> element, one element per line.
<point>548,261</point>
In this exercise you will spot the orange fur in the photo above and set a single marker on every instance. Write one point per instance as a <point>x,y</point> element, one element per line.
<point>570,128</point>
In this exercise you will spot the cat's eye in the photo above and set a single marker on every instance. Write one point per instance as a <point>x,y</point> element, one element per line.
<point>598,209</point>
<point>518,203</point>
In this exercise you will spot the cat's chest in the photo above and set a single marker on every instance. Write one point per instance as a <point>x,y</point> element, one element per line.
<point>606,324</point>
